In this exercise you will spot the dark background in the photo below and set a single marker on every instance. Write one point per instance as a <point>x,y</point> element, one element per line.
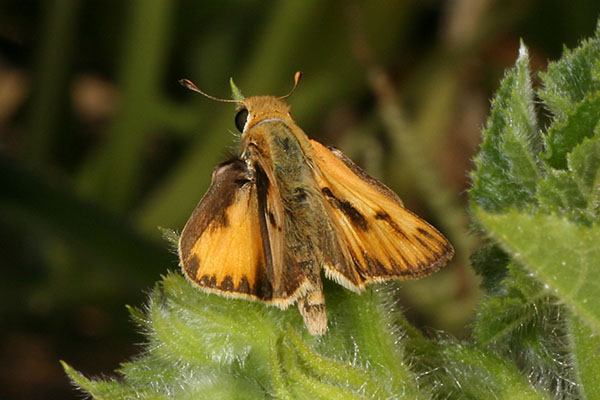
<point>99,146</point>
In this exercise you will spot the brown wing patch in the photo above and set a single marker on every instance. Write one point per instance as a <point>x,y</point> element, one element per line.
<point>379,237</point>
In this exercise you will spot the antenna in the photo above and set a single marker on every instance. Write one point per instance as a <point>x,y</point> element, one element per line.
<point>297,77</point>
<point>191,86</point>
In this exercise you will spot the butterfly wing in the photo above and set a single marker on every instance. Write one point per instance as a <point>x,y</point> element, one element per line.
<point>379,238</point>
<point>221,248</point>
<point>231,244</point>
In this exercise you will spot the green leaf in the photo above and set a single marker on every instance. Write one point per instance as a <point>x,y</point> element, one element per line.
<point>367,324</point>
<point>100,389</point>
<point>306,385</point>
<point>584,162</point>
<point>575,193</point>
<point>280,387</point>
<point>507,164</point>
<point>562,255</point>
<point>586,358</point>
<point>500,316</point>
<point>332,370</point>
<point>171,378</point>
<point>200,345</point>
<point>197,326</point>
<point>580,121</point>
<point>171,237</point>
<point>528,318</point>
<point>464,371</point>
<point>558,193</point>
<point>569,80</point>
<point>551,238</point>
<point>490,262</point>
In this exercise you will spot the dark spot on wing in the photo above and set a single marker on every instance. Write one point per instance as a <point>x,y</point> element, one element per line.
<point>381,215</point>
<point>375,267</point>
<point>347,208</point>
<point>424,244</point>
<point>425,233</point>
<point>244,286</point>
<point>208,281</point>
<point>227,284</point>
<point>191,266</point>
<point>327,192</point>
<point>407,265</point>
<point>395,265</point>
<point>428,235</point>
<point>357,264</point>
<point>262,288</point>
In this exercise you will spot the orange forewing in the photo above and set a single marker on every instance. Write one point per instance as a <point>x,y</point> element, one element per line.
<point>378,235</point>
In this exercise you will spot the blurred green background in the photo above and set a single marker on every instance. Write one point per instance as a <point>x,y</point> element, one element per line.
<point>99,145</point>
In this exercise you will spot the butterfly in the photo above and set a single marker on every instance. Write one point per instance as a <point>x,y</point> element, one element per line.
<point>287,208</point>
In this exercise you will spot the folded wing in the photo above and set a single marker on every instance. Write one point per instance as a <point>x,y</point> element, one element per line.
<point>232,243</point>
<point>221,248</point>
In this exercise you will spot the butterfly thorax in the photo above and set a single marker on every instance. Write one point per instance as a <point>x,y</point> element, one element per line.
<point>272,145</point>
<point>272,139</point>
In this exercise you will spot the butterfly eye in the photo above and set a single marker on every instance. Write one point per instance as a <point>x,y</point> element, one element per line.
<point>240,119</point>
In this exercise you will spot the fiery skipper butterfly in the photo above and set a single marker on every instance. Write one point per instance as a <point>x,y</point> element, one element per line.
<point>286,208</point>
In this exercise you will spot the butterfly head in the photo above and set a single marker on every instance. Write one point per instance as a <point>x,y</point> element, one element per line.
<point>253,110</point>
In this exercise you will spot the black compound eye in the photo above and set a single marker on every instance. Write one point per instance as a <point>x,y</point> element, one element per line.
<point>240,119</point>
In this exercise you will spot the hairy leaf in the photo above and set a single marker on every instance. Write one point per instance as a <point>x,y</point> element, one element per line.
<point>579,122</point>
<point>586,357</point>
<point>562,255</point>
<point>507,166</point>
<point>575,75</point>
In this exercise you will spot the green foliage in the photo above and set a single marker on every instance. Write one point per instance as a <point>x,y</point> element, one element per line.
<point>537,199</point>
<point>208,346</point>
<point>535,195</point>
<point>507,163</point>
<point>561,254</point>
<point>586,360</point>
